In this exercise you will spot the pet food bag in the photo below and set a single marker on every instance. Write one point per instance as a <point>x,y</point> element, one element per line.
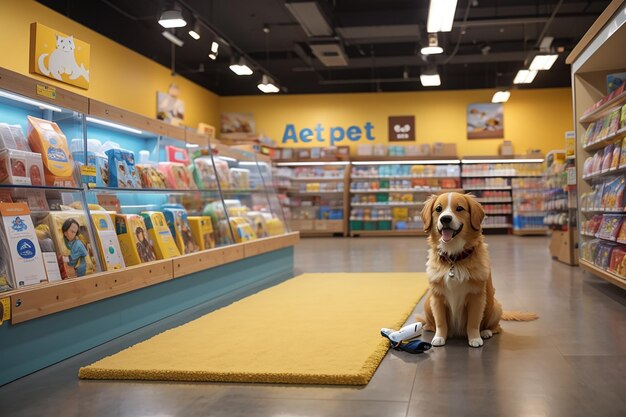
<point>134,239</point>
<point>122,171</point>
<point>176,218</point>
<point>47,139</point>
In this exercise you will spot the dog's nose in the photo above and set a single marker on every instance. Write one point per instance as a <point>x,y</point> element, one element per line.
<point>445,219</point>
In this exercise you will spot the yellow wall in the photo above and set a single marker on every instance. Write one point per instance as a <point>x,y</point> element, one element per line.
<point>118,76</point>
<point>533,119</point>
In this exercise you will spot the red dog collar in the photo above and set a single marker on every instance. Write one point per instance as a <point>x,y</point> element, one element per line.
<point>455,258</point>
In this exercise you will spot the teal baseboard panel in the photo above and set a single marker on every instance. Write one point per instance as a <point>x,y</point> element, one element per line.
<point>33,345</point>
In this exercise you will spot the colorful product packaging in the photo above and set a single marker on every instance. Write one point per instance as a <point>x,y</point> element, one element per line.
<point>617,265</point>
<point>240,178</point>
<point>176,218</point>
<point>47,139</point>
<point>176,176</point>
<point>150,176</point>
<point>108,242</point>
<point>176,154</point>
<point>122,171</point>
<point>223,172</point>
<point>25,262</point>
<point>162,239</point>
<point>203,173</point>
<point>74,249</point>
<point>48,252</point>
<point>242,230</point>
<point>202,231</point>
<point>12,137</point>
<point>134,239</point>
<point>21,168</point>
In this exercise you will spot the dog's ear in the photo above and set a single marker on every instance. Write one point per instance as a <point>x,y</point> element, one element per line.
<point>477,214</point>
<point>427,212</point>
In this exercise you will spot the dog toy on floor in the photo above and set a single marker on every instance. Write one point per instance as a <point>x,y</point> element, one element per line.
<point>405,339</point>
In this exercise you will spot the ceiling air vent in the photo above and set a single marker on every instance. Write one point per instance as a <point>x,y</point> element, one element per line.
<point>331,54</point>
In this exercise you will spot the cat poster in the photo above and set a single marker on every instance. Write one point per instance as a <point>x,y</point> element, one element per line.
<point>59,56</point>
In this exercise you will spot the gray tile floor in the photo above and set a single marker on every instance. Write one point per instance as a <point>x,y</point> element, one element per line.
<point>571,362</point>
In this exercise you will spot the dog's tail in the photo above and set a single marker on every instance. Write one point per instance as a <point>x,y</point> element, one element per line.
<point>519,316</point>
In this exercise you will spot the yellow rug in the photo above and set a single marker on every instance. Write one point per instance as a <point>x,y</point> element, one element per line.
<point>312,329</point>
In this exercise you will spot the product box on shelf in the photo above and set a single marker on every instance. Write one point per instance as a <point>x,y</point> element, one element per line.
<point>150,176</point>
<point>108,243</point>
<point>47,139</point>
<point>51,263</point>
<point>176,176</point>
<point>23,260</point>
<point>202,231</point>
<point>12,137</point>
<point>242,229</point>
<point>617,264</point>
<point>202,171</point>
<point>240,178</point>
<point>134,241</point>
<point>122,171</point>
<point>176,218</point>
<point>444,149</point>
<point>71,239</point>
<point>176,154</point>
<point>21,167</point>
<point>160,234</point>
<point>223,172</point>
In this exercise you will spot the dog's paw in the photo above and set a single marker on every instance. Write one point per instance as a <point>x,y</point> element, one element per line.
<point>476,342</point>
<point>486,334</point>
<point>438,341</point>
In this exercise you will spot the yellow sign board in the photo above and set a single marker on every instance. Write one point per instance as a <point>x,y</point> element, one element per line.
<point>5,309</point>
<point>46,91</point>
<point>59,56</point>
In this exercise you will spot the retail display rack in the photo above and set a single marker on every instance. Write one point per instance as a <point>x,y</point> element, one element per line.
<point>510,189</point>
<point>600,114</point>
<point>387,193</point>
<point>560,206</point>
<point>101,204</point>
<point>314,195</point>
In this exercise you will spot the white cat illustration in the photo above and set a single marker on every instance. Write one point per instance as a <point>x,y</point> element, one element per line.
<point>63,61</point>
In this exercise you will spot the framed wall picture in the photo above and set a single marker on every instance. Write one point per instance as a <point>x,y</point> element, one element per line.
<point>59,56</point>
<point>401,128</point>
<point>485,121</point>
<point>170,108</point>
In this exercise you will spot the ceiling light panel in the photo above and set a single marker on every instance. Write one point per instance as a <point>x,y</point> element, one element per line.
<point>310,17</point>
<point>501,97</point>
<point>430,80</point>
<point>441,15</point>
<point>543,62</point>
<point>172,19</point>
<point>524,77</point>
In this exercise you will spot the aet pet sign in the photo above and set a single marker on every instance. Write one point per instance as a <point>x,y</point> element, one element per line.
<point>332,136</point>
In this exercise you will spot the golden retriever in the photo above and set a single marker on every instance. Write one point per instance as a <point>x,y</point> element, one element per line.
<point>461,300</point>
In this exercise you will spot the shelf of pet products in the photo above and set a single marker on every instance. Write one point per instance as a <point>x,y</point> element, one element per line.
<point>604,107</point>
<point>607,161</point>
<point>528,206</point>
<point>74,214</point>
<point>385,221</point>
<point>595,144</point>
<point>398,177</point>
<point>601,273</point>
<point>408,190</point>
<point>317,196</point>
<point>490,175</point>
<point>388,204</point>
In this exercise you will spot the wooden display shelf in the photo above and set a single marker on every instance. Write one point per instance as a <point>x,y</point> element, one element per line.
<point>29,87</point>
<point>137,121</point>
<point>401,177</point>
<point>487,188</point>
<point>604,110</point>
<point>315,179</point>
<point>374,158</point>
<point>530,232</point>
<point>387,233</point>
<point>497,226</point>
<point>44,299</point>
<point>600,175</point>
<point>601,273</point>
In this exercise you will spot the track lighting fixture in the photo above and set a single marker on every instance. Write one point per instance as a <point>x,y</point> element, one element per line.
<point>172,17</point>
<point>240,67</point>
<point>267,85</point>
<point>433,45</point>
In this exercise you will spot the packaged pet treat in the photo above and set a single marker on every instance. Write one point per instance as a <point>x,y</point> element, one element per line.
<point>617,264</point>
<point>223,172</point>
<point>108,243</point>
<point>202,231</point>
<point>47,139</point>
<point>614,122</point>
<point>604,131</point>
<point>617,150</point>
<point>122,171</point>
<point>48,252</point>
<point>588,138</point>
<point>622,157</point>
<point>12,137</point>
<point>203,173</point>
<point>215,211</point>
<point>25,263</point>
<point>74,250</point>
<point>621,234</point>
<point>6,284</point>
<point>607,158</point>
<point>622,119</point>
<point>150,176</point>
<point>240,178</point>
<point>175,154</point>
<point>162,239</point>
<point>610,226</point>
<point>176,218</point>
<point>242,229</point>
<point>134,241</point>
<point>176,176</point>
<point>603,254</point>
<point>274,227</point>
<point>21,168</point>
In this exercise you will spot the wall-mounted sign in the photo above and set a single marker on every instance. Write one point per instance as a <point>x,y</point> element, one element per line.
<point>58,56</point>
<point>485,121</point>
<point>331,136</point>
<point>170,108</point>
<point>401,128</point>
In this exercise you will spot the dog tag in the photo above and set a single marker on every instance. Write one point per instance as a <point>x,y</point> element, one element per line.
<point>451,272</point>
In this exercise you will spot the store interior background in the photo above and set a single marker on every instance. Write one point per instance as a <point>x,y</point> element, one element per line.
<point>534,119</point>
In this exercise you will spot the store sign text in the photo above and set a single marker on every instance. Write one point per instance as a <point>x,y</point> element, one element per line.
<point>335,134</point>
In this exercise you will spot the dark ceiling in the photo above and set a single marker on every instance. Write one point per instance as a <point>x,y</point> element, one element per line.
<point>490,41</point>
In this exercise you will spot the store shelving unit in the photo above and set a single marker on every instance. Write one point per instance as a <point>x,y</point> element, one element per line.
<point>560,206</point>
<point>599,175</point>
<point>59,318</point>
<point>504,186</point>
<point>388,193</point>
<point>316,196</point>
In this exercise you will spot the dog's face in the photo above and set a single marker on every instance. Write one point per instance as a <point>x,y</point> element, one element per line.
<point>452,220</point>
